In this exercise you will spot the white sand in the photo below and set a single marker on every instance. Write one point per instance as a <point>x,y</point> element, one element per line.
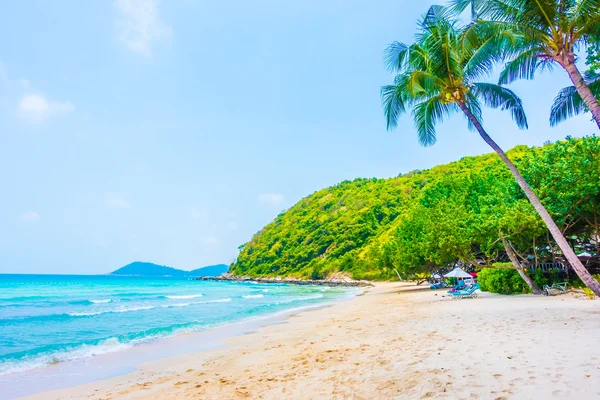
<point>385,344</point>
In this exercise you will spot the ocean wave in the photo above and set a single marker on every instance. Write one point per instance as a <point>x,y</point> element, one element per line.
<point>177,305</point>
<point>253,296</point>
<point>265,290</point>
<point>300,298</point>
<point>103,301</point>
<point>117,310</point>
<point>83,351</point>
<point>142,308</point>
<point>217,301</point>
<point>185,296</point>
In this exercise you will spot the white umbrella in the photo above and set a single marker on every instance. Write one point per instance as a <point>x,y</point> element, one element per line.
<point>457,273</point>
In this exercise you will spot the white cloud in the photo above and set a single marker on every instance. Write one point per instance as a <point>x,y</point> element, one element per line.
<point>30,216</point>
<point>139,24</point>
<point>115,201</point>
<point>198,213</point>
<point>35,108</point>
<point>211,240</point>
<point>273,199</point>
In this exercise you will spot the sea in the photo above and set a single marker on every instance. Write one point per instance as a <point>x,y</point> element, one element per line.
<point>65,320</point>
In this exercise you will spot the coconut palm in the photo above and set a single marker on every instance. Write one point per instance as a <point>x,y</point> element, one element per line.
<point>439,75</point>
<point>551,31</point>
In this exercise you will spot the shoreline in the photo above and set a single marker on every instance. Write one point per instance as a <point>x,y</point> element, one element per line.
<point>286,281</point>
<point>66,375</point>
<point>395,341</point>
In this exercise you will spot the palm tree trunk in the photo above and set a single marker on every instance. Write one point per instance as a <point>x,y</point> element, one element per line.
<point>568,252</point>
<point>584,91</point>
<point>513,258</point>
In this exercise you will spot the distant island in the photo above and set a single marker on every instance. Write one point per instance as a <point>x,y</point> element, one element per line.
<point>139,268</point>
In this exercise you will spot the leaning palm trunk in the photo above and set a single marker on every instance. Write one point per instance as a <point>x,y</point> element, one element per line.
<point>584,91</point>
<point>570,255</point>
<point>513,258</point>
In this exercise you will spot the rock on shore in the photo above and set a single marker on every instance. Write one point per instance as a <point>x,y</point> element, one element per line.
<point>335,280</point>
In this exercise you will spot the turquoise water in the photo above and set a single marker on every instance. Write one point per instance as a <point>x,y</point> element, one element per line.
<point>50,319</point>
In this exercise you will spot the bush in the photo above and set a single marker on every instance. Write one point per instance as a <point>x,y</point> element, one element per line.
<point>503,281</point>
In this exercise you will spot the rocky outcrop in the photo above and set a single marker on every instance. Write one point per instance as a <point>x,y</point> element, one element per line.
<point>341,280</point>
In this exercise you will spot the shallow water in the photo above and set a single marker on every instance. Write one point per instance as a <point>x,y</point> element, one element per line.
<point>47,320</point>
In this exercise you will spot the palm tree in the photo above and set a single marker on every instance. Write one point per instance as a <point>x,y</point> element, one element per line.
<point>438,75</point>
<point>551,32</point>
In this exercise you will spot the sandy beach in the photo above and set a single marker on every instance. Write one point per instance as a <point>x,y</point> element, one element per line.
<point>395,341</point>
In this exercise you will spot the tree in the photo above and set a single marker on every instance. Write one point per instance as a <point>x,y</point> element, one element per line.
<point>549,32</point>
<point>568,102</point>
<point>517,265</point>
<point>437,76</point>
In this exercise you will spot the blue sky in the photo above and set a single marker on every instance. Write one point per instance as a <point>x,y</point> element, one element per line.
<point>172,131</point>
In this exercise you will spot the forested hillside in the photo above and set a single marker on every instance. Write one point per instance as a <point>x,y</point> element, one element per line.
<point>426,219</point>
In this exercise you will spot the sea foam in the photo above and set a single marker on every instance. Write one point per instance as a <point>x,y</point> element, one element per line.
<point>83,351</point>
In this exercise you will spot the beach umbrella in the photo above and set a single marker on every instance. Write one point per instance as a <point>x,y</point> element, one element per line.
<point>457,273</point>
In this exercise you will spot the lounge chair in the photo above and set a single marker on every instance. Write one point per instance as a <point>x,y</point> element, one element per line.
<point>438,285</point>
<point>460,286</point>
<point>469,292</point>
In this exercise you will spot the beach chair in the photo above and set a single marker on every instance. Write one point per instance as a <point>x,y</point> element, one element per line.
<point>438,285</point>
<point>470,292</point>
<point>459,287</point>
<point>557,288</point>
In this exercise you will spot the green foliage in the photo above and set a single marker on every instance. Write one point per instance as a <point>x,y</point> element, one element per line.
<point>503,281</point>
<point>593,56</point>
<point>508,280</point>
<point>424,220</point>
<point>588,292</point>
<point>562,175</point>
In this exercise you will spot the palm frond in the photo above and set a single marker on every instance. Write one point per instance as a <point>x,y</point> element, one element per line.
<point>474,107</point>
<point>426,115</point>
<point>393,105</point>
<point>394,56</point>
<point>568,103</point>
<point>483,47</point>
<point>523,66</point>
<point>435,16</point>
<point>585,11</point>
<point>479,8</point>
<point>422,82</point>
<point>496,96</point>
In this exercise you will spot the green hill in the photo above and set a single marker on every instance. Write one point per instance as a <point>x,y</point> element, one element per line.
<point>426,219</point>
<point>211,270</point>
